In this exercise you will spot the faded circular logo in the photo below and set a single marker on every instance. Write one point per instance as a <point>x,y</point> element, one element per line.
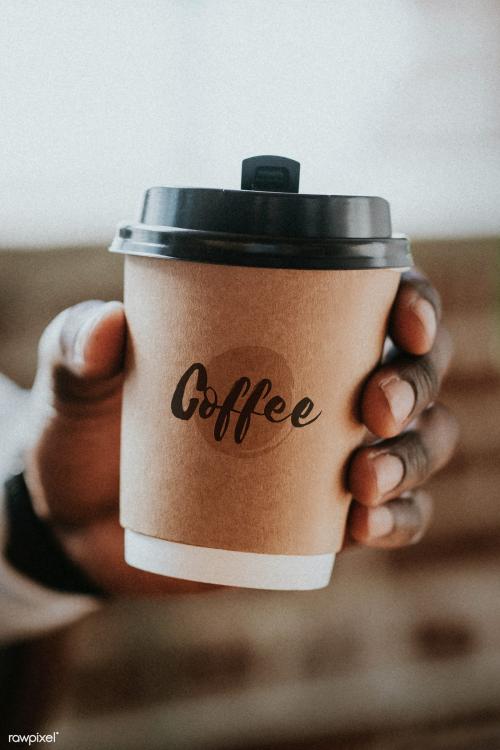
<point>241,400</point>
<point>258,419</point>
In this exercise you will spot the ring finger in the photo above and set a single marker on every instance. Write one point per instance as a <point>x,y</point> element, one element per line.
<point>388,468</point>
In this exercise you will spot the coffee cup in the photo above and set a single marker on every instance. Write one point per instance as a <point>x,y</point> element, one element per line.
<point>254,318</point>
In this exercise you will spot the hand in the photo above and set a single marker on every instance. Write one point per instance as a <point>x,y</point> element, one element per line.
<point>398,404</point>
<point>72,467</point>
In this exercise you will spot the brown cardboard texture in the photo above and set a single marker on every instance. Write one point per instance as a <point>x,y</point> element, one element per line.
<point>240,401</point>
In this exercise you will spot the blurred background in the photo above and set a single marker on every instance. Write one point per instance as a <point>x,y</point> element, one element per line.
<point>399,98</point>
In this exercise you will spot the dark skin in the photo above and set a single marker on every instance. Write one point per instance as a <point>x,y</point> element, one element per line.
<point>73,462</point>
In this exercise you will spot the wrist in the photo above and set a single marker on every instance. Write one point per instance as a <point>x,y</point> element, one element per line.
<point>34,549</point>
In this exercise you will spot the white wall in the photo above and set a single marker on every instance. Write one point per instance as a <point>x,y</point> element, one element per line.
<point>100,99</point>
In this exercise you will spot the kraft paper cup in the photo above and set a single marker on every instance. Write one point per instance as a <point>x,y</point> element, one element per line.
<point>240,411</point>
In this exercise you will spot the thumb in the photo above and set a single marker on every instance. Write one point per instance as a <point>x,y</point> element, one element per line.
<point>81,350</point>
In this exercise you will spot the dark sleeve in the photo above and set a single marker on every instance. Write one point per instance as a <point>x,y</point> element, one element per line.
<point>34,550</point>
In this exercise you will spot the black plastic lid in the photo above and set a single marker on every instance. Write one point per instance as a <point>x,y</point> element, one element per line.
<point>271,226</point>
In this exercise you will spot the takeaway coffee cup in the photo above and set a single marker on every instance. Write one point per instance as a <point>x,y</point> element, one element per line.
<point>254,317</point>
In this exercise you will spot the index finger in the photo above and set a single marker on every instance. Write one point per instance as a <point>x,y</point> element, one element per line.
<point>415,314</point>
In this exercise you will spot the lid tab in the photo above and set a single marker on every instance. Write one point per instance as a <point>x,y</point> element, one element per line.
<point>273,174</point>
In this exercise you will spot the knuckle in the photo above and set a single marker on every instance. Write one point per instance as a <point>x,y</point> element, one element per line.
<point>423,507</point>
<point>414,455</point>
<point>433,296</point>
<point>424,378</point>
<point>441,417</point>
<point>440,430</point>
<point>412,514</point>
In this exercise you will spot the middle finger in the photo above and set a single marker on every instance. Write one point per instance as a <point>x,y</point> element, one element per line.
<point>403,387</point>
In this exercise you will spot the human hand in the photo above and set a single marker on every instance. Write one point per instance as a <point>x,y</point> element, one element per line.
<point>418,435</point>
<point>72,467</point>
<point>72,464</point>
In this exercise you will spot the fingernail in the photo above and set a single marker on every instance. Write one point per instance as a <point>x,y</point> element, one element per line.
<point>389,471</point>
<point>78,353</point>
<point>380,522</point>
<point>400,397</point>
<point>82,337</point>
<point>427,316</point>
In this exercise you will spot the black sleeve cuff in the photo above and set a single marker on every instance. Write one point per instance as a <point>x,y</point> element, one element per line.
<point>33,549</point>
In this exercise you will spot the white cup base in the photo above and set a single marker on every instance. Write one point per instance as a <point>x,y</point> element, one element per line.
<point>227,567</point>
